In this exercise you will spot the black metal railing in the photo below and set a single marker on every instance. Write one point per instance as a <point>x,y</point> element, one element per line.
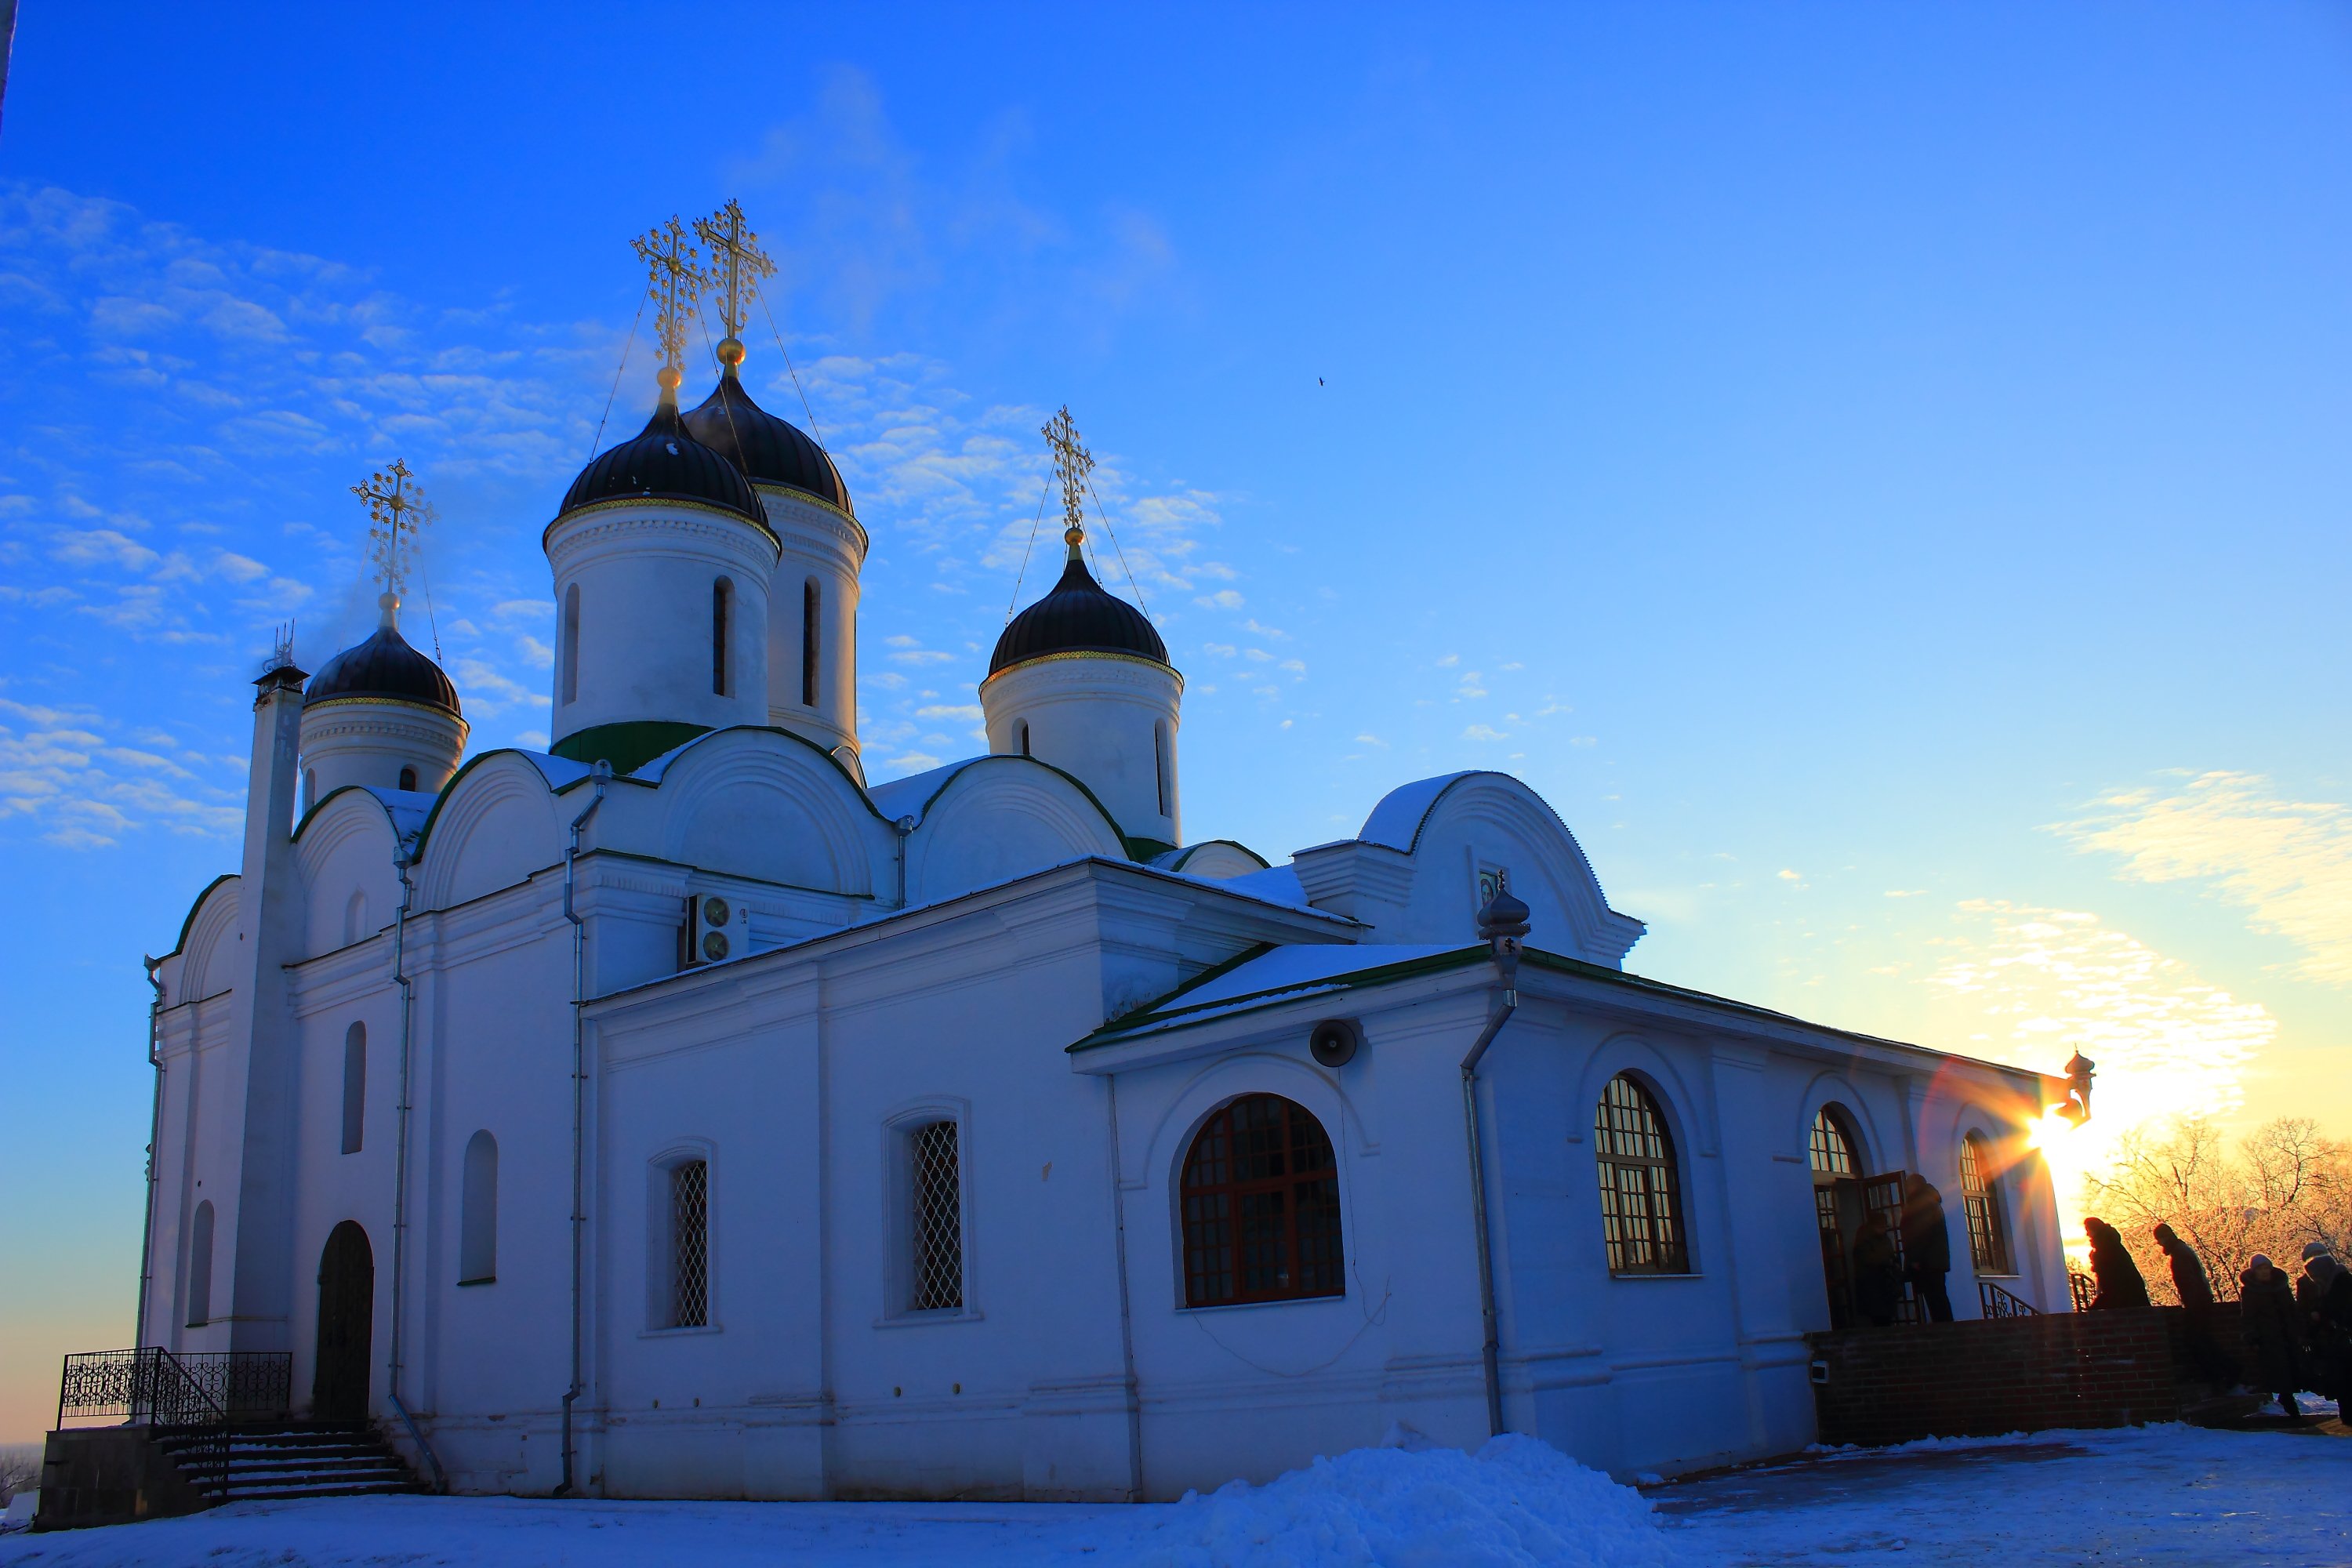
<point>1993,1301</point>
<point>157,1387</point>
<point>192,1400</point>
<point>2082,1287</point>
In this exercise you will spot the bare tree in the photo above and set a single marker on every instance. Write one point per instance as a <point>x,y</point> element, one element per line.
<point>2285,1184</point>
<point>20,1469</point>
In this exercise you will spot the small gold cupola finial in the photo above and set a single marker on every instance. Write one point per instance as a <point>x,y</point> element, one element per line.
<point>1071,465</point>
<point>397,511</point>
<point>674,269</point>
<point>738,265</point>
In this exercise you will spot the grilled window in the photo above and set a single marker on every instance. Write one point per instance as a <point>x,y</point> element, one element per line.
<point>722,614</point>
<point>200,1267</point>
<point>689,1245</point>
<point>477,1212</point>
<point>355,1087</point>
<point>1988,1234</point>
<point>935,1229</point>
<point>1261,1205</point>
<point>1640,1198</point>
<point>812,608</point>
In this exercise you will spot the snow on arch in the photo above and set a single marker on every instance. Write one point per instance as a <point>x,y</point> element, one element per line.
<point>994,818</point>
<point>1458,824</point>
<point>765,803</point>
<point>495,825</point>
<point>347,842</point>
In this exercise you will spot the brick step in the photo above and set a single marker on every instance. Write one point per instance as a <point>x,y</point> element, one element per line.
<point>319,1489</point>
<point>239,1454</point>
<point>354,1468</point>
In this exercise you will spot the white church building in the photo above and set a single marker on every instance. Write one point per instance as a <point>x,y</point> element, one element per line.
<point>674,1113</point>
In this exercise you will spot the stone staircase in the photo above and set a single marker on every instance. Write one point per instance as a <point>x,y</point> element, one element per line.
<point>294,1459</point>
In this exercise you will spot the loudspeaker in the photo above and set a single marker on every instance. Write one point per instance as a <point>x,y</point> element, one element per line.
<point>1335,1041</point>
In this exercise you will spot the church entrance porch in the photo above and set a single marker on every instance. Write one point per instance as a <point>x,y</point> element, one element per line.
<point>338,1390</point>
<point>1860,1220</point>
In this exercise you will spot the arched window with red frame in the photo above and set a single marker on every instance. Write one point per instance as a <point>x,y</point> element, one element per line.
<point>1261,1207</point>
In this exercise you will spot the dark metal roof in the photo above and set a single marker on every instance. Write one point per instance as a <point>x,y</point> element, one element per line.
<point>383,666</point>
<point>665,461</point>
<point>1077,616</point>
<point>769,451</point>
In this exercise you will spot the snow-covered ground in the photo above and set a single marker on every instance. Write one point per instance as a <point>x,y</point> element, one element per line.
<point>2155,1496</point>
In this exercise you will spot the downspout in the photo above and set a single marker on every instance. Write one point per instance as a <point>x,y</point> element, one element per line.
<point>402,862</point>
<point>1126,1312</point>
<point>1502,922</point>
<point>600,775</point>
<point>905,828</point>
<point>154,1136</point>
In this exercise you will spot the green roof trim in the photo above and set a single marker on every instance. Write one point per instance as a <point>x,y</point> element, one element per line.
<point>628,745</point>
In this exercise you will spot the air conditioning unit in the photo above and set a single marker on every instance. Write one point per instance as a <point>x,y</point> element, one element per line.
<point>717,928</point>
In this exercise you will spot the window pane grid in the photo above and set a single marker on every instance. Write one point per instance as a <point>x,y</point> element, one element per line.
<point>689,1239</point>
<point>1640,1217</point>
<point>1261,1207</point>
<point>938,1219</point>
<point>1832,1153</point>
<point>1988,1239</point>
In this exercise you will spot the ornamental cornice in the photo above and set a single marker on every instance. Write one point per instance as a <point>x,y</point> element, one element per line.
<point>665,509</point>
<point>1134,675</point>
<point>845,525</point>
<point>375,716</point>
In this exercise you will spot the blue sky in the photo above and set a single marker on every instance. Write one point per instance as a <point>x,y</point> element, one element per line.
<point>1880,472</point>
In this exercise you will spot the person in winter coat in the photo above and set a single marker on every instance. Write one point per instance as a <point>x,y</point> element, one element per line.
<point>1877,1272</point>
<point>2189,1281</point>
<point>2322,1296</point>
<point>1926,1247</point>
<point>2267,1305</point>
<point>2111,1264</point>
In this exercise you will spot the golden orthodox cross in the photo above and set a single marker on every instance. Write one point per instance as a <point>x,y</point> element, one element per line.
<point>736,248</point>
<point>396,510</point>
<point>1072,464</point>
<point>675,269</point>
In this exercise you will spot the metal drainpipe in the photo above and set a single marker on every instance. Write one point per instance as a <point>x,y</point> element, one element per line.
<point>402,862</point>
<point>904,827</point>
<point>154,1136</point>
<point>601,776</point>
<point>1502,922</point>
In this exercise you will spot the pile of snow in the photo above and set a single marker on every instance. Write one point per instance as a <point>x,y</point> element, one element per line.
<point>1518,1502</point>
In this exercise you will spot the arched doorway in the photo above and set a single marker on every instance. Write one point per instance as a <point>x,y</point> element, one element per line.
<point>339,1391</point>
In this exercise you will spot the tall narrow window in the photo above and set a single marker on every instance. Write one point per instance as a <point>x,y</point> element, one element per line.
<point>1024,737</point>
<point>477,1212</point>
<point>1987,1228</point>
<point>1640,1198</point>
<point>1261,1207</point>
<point>1159,763</point>
<point>408,778</point>
<point>355,1087</point>
<point>309,789</point>
<point>200,1267</point>
<point>812,614</point>
<point>355,921</point>
<point>571,643</point>
<point>722,603</point>
<point>689,1245</point>
<point>936,1229</point>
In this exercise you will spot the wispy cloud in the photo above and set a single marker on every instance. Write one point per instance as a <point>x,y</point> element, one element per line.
<point>2287,862</point>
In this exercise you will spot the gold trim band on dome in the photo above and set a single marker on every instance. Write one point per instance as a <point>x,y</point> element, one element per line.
<point>1088,653</point>
<point>609,502</point>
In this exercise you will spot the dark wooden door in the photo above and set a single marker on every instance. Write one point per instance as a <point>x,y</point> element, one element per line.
<point>339,1392</point>
<point>1838,1208</point>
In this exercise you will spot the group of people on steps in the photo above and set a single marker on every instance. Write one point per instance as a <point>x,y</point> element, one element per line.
<point>2298,1329</point>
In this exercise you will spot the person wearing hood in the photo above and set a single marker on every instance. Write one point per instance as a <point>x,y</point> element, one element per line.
<point>2111,1264</point>
<point>2189,1281</point>
<point>2323,1297</point>
<point>2266,1307</point>
<point>1877,1272</point>
<point>1926,1247</point>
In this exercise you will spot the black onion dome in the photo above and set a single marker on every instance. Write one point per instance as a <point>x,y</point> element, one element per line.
<point>387,667</point>
<point>1077,616</point>
<point>770,451</point>
<point>666,462</point>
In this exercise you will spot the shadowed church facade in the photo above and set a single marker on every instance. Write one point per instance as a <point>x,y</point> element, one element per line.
<point>674,1113</point>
